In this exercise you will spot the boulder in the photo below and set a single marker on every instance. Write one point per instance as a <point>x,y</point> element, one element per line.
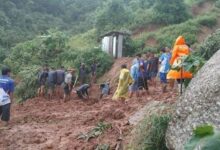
<point>200,104</point>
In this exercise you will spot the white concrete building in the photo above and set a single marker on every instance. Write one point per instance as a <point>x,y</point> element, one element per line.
<point>112,43</point>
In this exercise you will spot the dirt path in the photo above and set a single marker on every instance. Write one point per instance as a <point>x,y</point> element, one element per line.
<point>41,124</point>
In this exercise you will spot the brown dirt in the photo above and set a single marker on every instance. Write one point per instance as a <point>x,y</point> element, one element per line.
<point>149,28</point>
<point>151,42</point>
<point>113,74</point>
<point>205,31</point>
<point>42,124</point>
<point>202,8</point>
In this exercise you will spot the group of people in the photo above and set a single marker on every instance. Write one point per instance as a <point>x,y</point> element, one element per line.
<point>143,71</point>
<point>145,68</point>
<point>61,82</point>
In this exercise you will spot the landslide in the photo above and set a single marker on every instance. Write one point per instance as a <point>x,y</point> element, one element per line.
<point>42,124</point>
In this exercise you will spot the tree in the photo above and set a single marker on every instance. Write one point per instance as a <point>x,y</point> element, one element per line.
<point>113,18</point>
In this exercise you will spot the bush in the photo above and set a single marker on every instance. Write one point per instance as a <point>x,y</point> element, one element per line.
<point>51,50</point>
<point>28,84</point>
<point>168,35</point>
<point>165,11</point>
<point>133,46</point>
<point>210,46</point>
<point>207,20</point>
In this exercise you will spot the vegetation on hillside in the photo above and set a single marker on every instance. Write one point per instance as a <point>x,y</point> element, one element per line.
<point>51,49</point>
<point>150,133</point>
<point>37,32</point>
<point>210,46</point>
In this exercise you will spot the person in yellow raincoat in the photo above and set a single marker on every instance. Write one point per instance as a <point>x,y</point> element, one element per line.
<point>125,80</point>
<point>180,49</point>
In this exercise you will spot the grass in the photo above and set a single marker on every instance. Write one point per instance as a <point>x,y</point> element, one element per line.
<point>150,133</point>
<point>83,41</point>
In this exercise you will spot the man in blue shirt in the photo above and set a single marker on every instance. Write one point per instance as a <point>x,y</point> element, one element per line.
<point>7,90</point>
<point>134,74</point>
<point>164,67</point>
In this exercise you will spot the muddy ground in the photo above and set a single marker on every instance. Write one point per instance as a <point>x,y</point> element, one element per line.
<point>39,124</point>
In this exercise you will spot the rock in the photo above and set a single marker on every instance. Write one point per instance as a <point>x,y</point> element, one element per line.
<point>118,114</point>
<point>198,105</point>
<point>153,107</point>
<point>49,145</point>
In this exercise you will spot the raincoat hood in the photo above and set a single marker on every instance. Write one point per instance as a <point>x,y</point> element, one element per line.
<point>180,41</point>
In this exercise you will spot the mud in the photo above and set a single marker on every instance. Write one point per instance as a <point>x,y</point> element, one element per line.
<point>42,124</point>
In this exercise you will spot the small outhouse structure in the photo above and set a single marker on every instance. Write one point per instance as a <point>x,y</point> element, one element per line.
<point>112,43</point>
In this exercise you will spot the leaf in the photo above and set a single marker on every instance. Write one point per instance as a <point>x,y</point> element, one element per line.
<point>212,143</point>
<point>203,130</point>
<point>192,143</point>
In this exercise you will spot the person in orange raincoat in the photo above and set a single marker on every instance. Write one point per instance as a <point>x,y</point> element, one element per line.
<point>180,49</point>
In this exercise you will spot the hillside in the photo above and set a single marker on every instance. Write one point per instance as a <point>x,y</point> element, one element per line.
<point>42,124</point>
<point>65,33</point>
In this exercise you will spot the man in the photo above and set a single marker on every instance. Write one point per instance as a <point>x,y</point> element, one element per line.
<point>51,80</point>
<point>137,58</point>
<point>105,89</point>
<point>60,79</point>
<point>142,78</point>
<point>6,94</point>
<point>82,91</point>
<point>94,71</point>
<point>68,84</point>
<point>164,67</point>
<point>134,74</point>
<point>42,81</point>
<point>82,73</point>
<point>125,80</point>
<point>153,68</point>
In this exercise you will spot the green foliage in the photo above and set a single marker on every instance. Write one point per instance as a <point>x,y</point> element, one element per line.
<point>113,18</point>
<point>165,11</point>
<point>84,41</point>
<point>28,83</point>
<point>193,2</point>
<point>151,133</point>
<point>42,50</point>
<point>166,36</point>
<point>156,140</point>
<point>73,58</point>
<point>208,20</point>
<point>23,20</point>
<point>52,50</point>
<point>192,63</point>
<point>217,3</point>
<point>210,46</point>
<point>100,128</point>
<point>204,130</point>
<point>2,54</point>
<point>132,46</point>
<point>204,138</point>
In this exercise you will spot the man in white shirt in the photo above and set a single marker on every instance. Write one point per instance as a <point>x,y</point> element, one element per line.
<point>68,84</point>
